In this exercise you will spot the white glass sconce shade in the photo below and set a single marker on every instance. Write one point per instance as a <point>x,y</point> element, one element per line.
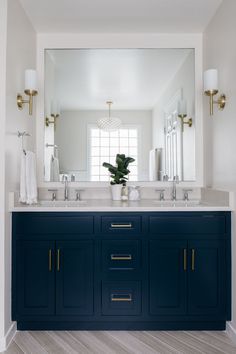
<point>211,80</point>
<point>30,80</point>
<point>182,107</point>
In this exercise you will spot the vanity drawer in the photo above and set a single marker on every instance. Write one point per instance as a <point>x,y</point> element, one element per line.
<point>46,223</point>
<point>121,255</point>
<point>121,298</point>
<point>121,224</point>
<point>207,223</point>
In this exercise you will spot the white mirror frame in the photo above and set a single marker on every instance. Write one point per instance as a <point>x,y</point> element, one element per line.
<point>96,41</point>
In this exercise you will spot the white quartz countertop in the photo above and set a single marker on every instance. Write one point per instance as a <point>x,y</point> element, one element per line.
<point>107,205</point>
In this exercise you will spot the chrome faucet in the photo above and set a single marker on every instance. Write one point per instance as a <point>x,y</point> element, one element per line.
<point>173,193</point>
<point>66,189</point>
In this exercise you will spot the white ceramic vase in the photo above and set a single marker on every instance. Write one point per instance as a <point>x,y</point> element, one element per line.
<point>116,191</point>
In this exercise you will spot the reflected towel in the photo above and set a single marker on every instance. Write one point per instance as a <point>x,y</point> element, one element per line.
<point>155,165</point>
<point>153,168</point>
<point>54,169</point>
<point>28,181</point>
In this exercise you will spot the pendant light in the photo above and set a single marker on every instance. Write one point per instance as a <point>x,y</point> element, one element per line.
<point>109,123</point>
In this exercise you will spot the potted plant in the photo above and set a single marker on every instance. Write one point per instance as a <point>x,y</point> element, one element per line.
<point>118,174</point>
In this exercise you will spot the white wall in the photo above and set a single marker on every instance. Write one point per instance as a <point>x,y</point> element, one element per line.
<point>71,137</point>
<point>220,130</point>
<point>3,44</point>
<point>183,80</point>
<point>20,54</point>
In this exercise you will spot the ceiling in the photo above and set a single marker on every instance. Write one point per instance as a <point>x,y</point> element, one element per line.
<point>131,78</point>
<point>117,16</point>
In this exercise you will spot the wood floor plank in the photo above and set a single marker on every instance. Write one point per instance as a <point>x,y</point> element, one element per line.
<point>47,342</point>
<point>132,343</point>
<point>61,338</point>
<point>166,338</point>
<point>91,342</point>
<point>104,336</point>
<point>13,349</point>
<point>156,344</point>
<point>195,343</point>
<point>28,344</point>
<point>216,342</point>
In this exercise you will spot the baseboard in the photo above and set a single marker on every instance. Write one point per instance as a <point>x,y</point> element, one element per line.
<point>231,331</point>
<point>6,340</point>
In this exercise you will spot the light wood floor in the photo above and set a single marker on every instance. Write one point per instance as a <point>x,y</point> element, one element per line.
<point>122,342</point>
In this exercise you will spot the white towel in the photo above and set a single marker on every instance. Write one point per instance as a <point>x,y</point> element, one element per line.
<point>153,172</point>
<point>28,182</point>
<point>54,169</point>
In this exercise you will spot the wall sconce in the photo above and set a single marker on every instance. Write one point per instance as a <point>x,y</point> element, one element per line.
<point>30,90</point>
<point>211,89</point>
<point>55,109</point>
<point>182,114</point>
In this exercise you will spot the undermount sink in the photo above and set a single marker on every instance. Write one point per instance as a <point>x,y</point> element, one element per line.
<point>177,203</point>
<point>62,203</point>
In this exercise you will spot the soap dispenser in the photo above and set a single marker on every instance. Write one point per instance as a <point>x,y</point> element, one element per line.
<point>124,193</point>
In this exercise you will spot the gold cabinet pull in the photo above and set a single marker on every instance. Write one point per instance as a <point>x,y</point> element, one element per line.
<point>193,260</point>
<point>185,260</point>
<point>58,260</point>
<point>121,297</point>
<point>50,260</point>
<point>121,226</point>
<point>121,257</point>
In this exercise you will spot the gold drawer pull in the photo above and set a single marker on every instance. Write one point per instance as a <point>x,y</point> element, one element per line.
<point>185,260</point>
<point>50,260</point>
<point>121,297</point>
<point>121,226</point>
<point>58,260</point>
<point>121,257</point>
<point>193,259</point>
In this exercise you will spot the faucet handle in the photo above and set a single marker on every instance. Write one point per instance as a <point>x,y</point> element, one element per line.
<point>77,194</point>
<point>162,195</point>
<point>54,194</point>
<point>186,191</point>
<point>176,179</point>
<point>64,178</point>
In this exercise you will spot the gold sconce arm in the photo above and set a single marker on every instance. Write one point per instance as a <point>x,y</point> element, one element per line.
<point>221,101</point>
<point>20,101</point>
<point>189,122</point>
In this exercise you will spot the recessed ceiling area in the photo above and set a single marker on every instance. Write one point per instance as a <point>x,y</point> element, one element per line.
<point>131,78</point>
<point>134,16</point>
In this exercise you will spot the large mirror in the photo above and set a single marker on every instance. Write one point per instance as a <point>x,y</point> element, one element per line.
<point>137,102</point>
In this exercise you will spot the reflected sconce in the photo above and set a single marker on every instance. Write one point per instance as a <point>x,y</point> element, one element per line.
<point>211,89</point>
<point>55,113</point>
<point>182,114</point>
<point>30,90</point>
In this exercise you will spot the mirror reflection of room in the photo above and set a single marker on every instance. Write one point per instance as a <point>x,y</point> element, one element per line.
<point>104,102</point>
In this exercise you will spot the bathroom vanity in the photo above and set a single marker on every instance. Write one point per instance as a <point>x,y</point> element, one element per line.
<point>133,270</point>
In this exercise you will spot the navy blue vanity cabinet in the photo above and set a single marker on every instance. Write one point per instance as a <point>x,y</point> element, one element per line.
<point>121,271</point>
<point>35,281</point>
<point>168,277</point>
<point>207,277</point>
<point>74,277</point>
<point>188,277</point>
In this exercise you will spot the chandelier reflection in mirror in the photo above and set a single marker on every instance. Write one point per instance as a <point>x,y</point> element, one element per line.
<point>109,123</point>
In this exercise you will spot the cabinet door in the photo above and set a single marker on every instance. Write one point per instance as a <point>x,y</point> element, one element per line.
<point>74,277</point>
<point>35,277</point>
<point>168,277</point>
<point>207,281</point>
